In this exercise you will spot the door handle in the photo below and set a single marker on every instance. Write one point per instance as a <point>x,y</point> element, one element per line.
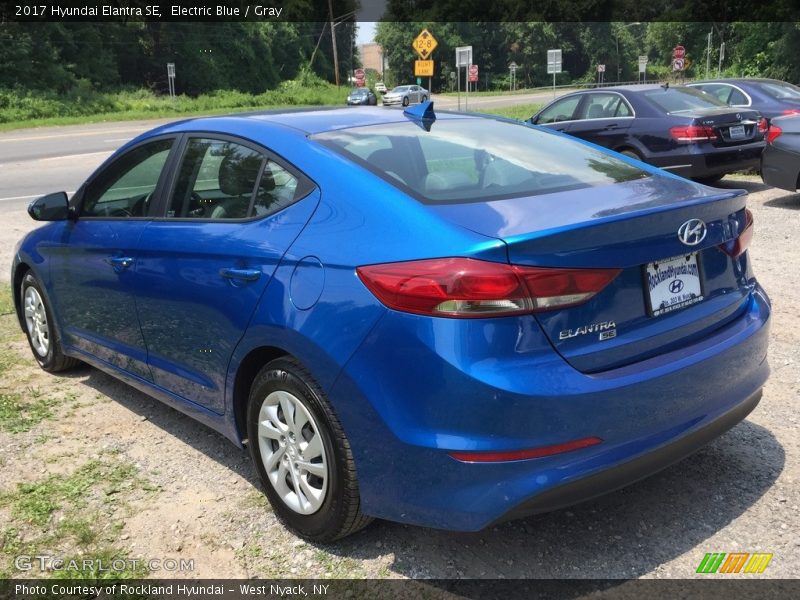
<point>612,126</point>
<point>240,274</point>
<point>120,262</point>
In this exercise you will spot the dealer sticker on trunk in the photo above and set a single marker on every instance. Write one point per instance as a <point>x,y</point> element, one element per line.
<point>673,283</point>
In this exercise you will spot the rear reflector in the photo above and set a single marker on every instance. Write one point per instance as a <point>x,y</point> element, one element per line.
<point>469,288</point>
<point>773,133</point>
<point>737,246</point>
<point>693,133</point>
<point>526,454</point>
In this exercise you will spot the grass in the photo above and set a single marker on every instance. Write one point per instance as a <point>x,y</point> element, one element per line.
<point>521,112</point>
<point>22,109</point>
<point>18,415</point>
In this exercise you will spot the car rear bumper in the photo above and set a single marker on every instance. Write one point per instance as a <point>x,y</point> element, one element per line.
<point>780,168</point>
<point>710,163</point>
<point>414,392</point>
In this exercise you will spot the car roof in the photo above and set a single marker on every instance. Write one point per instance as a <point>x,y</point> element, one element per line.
<point>744,80</point>
<point>307,121</point>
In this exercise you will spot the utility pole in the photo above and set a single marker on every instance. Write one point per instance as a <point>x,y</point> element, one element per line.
<point>333,40</point>
<point>708,53</point>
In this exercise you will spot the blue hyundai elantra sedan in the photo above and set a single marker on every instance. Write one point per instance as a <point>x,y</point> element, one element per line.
<point>435,318</point>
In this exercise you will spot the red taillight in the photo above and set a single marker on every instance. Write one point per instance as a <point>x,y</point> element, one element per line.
<point>773,133</point>
<point>763,125</point>
<point>737,246</point>
<point>792,111</point>
<point>693,133</point>
<point>526,454</point>
<point>469,288</point>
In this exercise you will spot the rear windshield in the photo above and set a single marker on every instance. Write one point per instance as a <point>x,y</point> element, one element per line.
<point>682,99</point>
<point>781,90</point>
<point>476,159</point>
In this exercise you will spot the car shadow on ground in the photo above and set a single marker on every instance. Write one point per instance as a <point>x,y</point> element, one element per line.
<point>625,534</point>
<point>790,201</point>
<point>751,186</point>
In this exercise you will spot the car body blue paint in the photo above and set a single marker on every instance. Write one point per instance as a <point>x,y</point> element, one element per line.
<point>409,388</point>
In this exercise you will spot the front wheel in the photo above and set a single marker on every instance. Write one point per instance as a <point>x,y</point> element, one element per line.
<point>709,179</point>
<point>405,101</point>
<point>39,328</point>
<point>424,99</point>
<point>302,455</point>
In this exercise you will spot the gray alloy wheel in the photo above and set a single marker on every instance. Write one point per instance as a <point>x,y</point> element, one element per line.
<point>36,321</point>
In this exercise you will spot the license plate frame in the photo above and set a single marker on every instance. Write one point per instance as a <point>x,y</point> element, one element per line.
<point>657,277</point>
<point>737,132</point>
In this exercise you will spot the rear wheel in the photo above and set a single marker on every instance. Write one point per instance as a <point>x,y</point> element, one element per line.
<point>39,328</point>
<point>424,99</point>
<point>302,455</point>
<point>405,101</point>
<point>630,154</point>
<point>708,180</point>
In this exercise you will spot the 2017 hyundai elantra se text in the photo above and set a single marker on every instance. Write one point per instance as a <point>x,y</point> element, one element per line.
<point>502,321</point>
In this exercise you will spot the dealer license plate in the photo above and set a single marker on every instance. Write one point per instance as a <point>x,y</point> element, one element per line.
<point>736,132</point>
<point>673,283</point>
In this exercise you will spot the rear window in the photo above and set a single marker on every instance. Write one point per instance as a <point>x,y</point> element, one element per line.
<point>781,90</point>
<point>681,99</point>
<point>468,160</point>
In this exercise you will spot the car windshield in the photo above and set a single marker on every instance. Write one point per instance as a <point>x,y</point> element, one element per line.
<point>682,99</point>
<point>358,92</point>
<point>780,90</point>
<point>476,159</point>
<point>400,89</point>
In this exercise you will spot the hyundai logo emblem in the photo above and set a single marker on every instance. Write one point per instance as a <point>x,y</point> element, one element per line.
<point>675,286</point>
<point>692,232</point>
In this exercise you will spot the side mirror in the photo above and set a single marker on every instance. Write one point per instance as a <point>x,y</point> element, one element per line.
<point>52,207</point>
<point>533,120</point>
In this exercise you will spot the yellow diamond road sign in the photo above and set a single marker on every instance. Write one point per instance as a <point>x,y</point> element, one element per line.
<point>424,44</point>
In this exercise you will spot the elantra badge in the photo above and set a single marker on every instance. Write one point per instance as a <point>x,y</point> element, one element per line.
<point>692,232</point>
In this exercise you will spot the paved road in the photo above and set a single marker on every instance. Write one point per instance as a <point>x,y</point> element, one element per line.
<point>34,162</point>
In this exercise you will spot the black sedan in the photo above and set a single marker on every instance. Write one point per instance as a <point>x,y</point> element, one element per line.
<point>780,163</point>
<point>676,128</point>
<point>362,95</point>
<point>771,97</point>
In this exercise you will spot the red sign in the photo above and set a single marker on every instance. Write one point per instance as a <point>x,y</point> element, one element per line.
<point>359,73</point>
<point>678,52</point>
<point>473,73</point>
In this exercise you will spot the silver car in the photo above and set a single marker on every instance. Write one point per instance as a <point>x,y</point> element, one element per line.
<point>405,95</point>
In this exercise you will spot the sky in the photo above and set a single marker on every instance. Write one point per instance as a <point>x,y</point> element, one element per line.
<point>366,32</point>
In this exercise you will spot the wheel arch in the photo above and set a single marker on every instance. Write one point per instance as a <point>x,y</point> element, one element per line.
<point>245,375</point>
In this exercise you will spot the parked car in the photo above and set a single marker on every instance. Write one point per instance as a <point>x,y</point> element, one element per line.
<point>522,322</point>
<point>362,95</point>
<point>380,87</point>
<point>780,162</point>
<point>676,128</point>
<point>771,97</point>
<point>405,95</point>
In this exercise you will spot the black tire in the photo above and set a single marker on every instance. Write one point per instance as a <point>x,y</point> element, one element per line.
<point>630,154</point>
<point>339,515</point>
<point>53,360</point>
<point>424,99</point>
<point>405,101</point>
<point>710,179</point>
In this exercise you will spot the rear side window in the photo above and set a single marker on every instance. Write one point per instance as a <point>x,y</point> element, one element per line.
<point>219,179</point>
<point>476,159</point>
<point>682,99</point>
<point>605,106</point>
<point>781,90</point>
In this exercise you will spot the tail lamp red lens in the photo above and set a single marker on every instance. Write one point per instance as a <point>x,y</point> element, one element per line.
<point>792,111</point>
<point>470,288</point>
<point>763,125</point>
<point>693,134</point>
<point>737,246</point>
<point>773,133</point>
<point>540,452</point>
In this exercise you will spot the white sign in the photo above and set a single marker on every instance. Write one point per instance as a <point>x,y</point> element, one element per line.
<point>601,68</point>
<point>643,63</point>
<point>677,64</point>
<point>463,56</point>
<point>170,69</point>
<point>554,61</point>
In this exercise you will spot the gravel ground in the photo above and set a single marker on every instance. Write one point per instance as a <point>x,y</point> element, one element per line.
<point>739,494</point>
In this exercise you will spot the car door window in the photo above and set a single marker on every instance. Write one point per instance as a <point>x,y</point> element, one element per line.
<point>605,106</point>
<point>561,110</point>
<point>720,92</point>
<point>737,98</point>
<point>219,179</point>
<point>125,187</point>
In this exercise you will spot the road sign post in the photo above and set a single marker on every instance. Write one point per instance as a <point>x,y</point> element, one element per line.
<point>360,77</point>
<point>554,65</point>
<point>601,74</point>
<point>643,67</point>
<point>424,45</point>
<point>171,79</point>
<point>512,69</point>
<point>473,74</point>
<point>463,59</point>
